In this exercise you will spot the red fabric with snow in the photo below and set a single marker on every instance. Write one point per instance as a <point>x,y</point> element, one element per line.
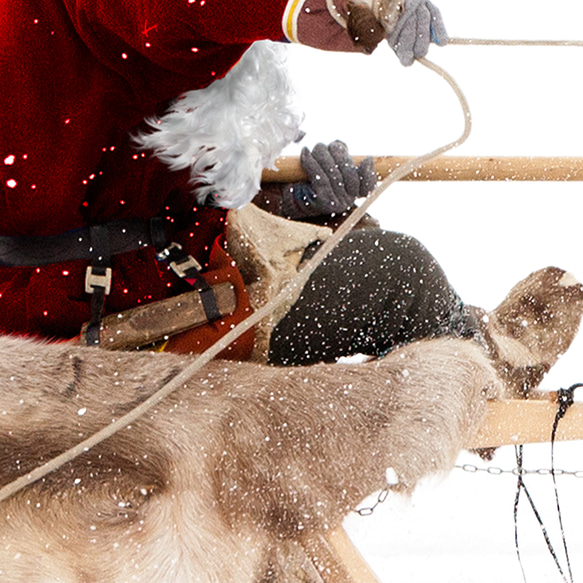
<point>78,78</point>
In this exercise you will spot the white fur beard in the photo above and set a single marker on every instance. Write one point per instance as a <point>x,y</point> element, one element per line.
<point>228,132</point>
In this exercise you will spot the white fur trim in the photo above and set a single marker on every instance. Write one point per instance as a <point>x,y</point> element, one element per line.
<point>230,131</point>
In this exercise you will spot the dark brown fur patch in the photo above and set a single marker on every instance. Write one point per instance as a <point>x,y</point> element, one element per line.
<point>364,29</point>
<point>534,325</point>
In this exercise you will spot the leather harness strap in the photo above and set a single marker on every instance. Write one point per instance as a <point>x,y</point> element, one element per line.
<point>22,251</point>
<point>98,279</point>
<point>99,244</point>
<point>184,266</point>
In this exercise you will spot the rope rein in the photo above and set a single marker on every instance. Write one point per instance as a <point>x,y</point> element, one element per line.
<point>565,400</point>
<point>297,283</point>
<point>513,43</point>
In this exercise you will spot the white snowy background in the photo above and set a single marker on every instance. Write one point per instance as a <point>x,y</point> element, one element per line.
<point>487,236</point>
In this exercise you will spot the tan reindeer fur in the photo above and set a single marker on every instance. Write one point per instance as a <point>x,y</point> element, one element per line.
<point>230,471</point>
<point>532,327</point>
<point>268,250</point>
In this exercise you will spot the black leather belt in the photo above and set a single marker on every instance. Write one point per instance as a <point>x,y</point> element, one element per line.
<point>123,236</point>
<point>98,244</point>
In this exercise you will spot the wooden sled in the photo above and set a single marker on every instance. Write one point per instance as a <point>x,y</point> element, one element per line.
<point>508,422</point>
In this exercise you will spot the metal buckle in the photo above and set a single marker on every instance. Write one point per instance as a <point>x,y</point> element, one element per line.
<point>164,255</point>
<point>178,261</point>
<point>181,267</point>
<point>93,280</point>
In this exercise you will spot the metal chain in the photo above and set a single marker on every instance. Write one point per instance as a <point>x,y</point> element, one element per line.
<point>473,469</point>
<point>367,511</point>
<point>496,471</point>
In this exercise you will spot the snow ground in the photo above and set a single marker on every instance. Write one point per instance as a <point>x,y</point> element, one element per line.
<point>487,236</point>
<point>461,529</point>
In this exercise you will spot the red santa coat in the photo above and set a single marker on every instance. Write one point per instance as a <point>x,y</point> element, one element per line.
<point>79,77</point>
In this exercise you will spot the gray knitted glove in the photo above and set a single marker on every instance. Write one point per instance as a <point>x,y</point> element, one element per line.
<point>420,24</point>
<point>335,182</point>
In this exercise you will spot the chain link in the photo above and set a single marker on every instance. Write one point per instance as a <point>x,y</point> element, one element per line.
<point>367,511</point>
<point>496,471</point>
<point>473,469</point>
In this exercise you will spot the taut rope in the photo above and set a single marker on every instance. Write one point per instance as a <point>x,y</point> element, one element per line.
<point>514,43</point>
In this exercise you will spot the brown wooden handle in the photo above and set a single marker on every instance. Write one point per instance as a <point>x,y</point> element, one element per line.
<point>153,322</point>
<point>481,168</point>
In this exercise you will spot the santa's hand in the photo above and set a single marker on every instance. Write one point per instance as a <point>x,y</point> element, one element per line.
<point>335,182</point>
<point>419,25</point>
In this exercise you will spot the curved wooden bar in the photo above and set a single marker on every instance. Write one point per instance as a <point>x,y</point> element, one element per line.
<point>462,168</point>
<point>337,560</point>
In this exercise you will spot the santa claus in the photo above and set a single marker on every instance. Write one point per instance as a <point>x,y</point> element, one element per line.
<point>91,220</point>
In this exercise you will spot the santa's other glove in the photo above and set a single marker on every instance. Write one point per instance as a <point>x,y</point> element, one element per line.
<point>335,182</point>
<point>419,25</point>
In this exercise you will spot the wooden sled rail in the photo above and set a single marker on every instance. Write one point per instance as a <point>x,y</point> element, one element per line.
<point>516,422</point>
<point>471,168</point>
<point>508,422</point>
<point>337,560</point>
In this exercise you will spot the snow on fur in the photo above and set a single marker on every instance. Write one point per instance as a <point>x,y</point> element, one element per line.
<point>228,132</point>
<point>225,479</point>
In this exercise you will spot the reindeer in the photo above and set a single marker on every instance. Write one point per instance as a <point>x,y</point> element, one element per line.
<point>225,478</point>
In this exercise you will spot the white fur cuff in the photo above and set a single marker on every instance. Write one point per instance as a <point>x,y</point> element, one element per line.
<point>230,131</point>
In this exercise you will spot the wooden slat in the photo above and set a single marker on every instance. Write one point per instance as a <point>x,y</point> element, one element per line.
<point>337,560</point>
<point>481,168</point>
<point>508,422</point>
<point>516,422</point>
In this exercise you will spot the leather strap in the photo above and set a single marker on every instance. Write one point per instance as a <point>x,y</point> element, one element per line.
<point>122,236</point>
<point>98,280</point>
<point>98,244</point>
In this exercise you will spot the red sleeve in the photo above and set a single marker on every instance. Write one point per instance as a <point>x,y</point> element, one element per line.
<point>226,21</point>
<point>177,35</point>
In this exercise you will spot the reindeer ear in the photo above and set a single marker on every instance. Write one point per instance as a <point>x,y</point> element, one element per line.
<point>549,297</point>
<point>364,29</point>
<point>536,323</point>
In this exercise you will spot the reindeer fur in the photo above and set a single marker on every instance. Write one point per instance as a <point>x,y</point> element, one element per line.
<point>534,325</point>
<point>241,461</point>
